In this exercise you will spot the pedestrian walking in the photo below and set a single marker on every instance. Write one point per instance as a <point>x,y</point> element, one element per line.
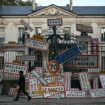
<point>21,84</point>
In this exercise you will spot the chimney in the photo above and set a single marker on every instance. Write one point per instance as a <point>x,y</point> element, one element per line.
<point>71,5</point>
<point>33,5</point>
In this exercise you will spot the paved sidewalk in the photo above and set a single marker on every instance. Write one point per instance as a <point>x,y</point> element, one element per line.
<point>5,100</point>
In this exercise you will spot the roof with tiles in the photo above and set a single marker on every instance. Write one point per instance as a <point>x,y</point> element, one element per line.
<point>78,10</point>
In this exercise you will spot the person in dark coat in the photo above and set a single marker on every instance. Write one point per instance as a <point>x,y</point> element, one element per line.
<point>21,84</point>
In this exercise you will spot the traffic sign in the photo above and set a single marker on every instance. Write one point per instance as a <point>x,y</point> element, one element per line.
<point>26,58</point>
<point>69,54</point>
<point>84,28</point>
<point>54,22</point>
<point>14,68</point>
<point>40,45</point>
<point>26,25</point>
<point>53,67</point>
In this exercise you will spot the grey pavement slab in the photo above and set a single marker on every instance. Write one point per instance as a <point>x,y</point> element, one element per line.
<point>6,100</point>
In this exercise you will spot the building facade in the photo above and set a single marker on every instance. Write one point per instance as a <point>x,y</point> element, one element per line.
<point>11,28</point>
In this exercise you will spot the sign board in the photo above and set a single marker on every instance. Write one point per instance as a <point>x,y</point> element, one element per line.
<point>26,58</point>
<point>55,88</point>
<point>75,94</point>
<point>67,55</point>
<point>40,45</point>
<point>54,95</point>
<point>102,80</point>
<point>39,70</point>
<point>84,38</point>
<point>12,47</point>
<point>54,22</point>
<point>14,68</point>
<point>67,79</point>
<point>97,93</point>
<point>33,85</point>
<point>37,95</point>
<point>53,67</point>
<point>85,85</point>
<point>10,76</point>
<point>26,25</point>
<point>83,61</point>
<point>95,46</point>
<point>39,77</point>
<point>84,28</point>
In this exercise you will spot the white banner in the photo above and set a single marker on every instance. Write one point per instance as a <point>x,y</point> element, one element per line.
<point>14,68</point>
<point>98,93</point>
<point>85,84</point>
<point>40,45</point>
<point>102,79</point>
<point>75,94</point>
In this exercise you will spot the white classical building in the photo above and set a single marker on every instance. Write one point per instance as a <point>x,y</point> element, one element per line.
<point>11,28</point>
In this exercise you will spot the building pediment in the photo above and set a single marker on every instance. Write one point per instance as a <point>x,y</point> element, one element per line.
<point>52,10</point>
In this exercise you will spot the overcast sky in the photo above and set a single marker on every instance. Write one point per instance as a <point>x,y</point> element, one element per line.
<point>75,2</point>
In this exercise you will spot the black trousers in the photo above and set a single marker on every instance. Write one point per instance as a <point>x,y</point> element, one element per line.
<point>22,89</point>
